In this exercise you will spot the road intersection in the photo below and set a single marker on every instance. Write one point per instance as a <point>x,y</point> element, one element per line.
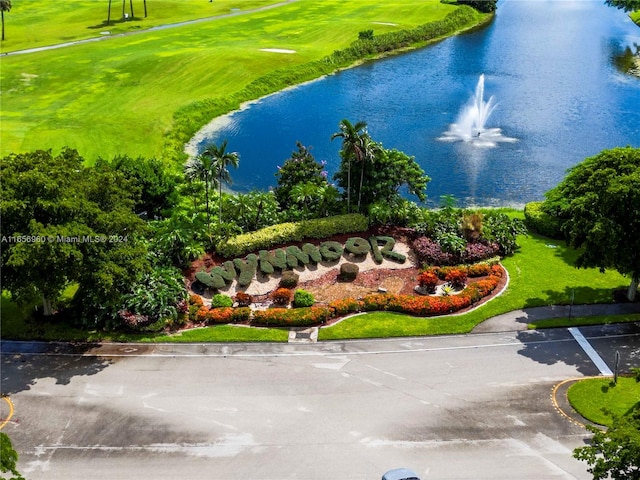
<point>449,407</point>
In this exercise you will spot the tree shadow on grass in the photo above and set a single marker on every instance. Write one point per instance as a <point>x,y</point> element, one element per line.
<point>24,363</point>
<point>572,295</point>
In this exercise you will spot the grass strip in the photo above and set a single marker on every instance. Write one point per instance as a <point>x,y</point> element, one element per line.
<point>599,399</point>
<point>584,321</point>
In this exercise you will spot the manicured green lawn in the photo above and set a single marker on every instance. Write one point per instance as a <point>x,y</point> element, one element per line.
<point>582,321</point>
<point>119,96</point>
<point>32,23</point>
<point>598,399</point>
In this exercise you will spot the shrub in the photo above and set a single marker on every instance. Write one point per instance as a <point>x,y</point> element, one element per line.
<point>428,280</point>
<point>241,314</point>
<point>243,299</point>
<point>220,315</point>
<point>357,246</point>
<point>288,232</point>
<point>478,270</point>
<point>289,279</point>
<point>281,296</point>
<point>539,221</point>
<point>430,253</point>
<point>201,314</point>
<point>302,298</point>
<point>344,306</point>
<point>297,317</point>
<point>348,272</point>
<point>221,300</point>
<point>195,300</point>
<point>475,252</point>
<point>247,269</point>
<point>215,282</point>
<point>331,251</point>
<point>457,277</point>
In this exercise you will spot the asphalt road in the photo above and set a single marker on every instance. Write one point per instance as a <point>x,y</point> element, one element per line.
<point>453,407</point>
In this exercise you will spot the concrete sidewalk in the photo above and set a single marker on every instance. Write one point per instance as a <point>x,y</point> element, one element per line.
<point>518,319</point>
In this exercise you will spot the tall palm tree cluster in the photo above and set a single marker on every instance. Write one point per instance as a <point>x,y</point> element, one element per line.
<point>212,168</point>
<point>357,146</point>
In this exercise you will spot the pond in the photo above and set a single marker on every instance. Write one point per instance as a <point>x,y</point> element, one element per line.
<point>550,66</point>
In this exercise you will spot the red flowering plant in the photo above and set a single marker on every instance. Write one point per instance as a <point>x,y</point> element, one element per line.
<point>300,317</point>
<point>243,299</point>
<point>456,277</point>
<point>195,300</point>
<point>478,270</point>
<point>376,301</point>
<point>201,314</point>
<point>428,280</point>
<point>281,296</point>
<point>220,315</point>
<point>344,306</point>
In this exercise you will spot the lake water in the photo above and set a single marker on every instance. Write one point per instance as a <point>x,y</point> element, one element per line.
<point>550,66</point>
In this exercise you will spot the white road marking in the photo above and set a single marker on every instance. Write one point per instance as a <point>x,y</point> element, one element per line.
<point>590,351</point>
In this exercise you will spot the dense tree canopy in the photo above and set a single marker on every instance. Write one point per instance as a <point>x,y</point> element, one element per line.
<point>63,223</point>
<point>626,5</point>
<point>155,188</point>
<point>598,206</point>
<point>484,6</point>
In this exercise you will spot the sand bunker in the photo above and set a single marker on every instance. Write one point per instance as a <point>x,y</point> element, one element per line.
<point>277,50</point>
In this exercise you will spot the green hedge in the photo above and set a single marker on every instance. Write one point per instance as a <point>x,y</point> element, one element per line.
<point>537,220</point>
<point>275,235</point>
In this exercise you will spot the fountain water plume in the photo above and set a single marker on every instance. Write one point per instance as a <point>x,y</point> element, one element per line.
<point>471,123</point>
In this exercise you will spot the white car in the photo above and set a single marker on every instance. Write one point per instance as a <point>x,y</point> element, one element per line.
<point>400,474</point>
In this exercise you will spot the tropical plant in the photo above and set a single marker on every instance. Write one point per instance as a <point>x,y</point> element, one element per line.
<point>5,6</point>
<point>222,161</point>
<point>201,169</point>
<point>354,147</point>
<point>157,294</point>
<point>301,167</point>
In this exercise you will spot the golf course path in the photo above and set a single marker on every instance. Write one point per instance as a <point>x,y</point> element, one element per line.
<point>151,29</point>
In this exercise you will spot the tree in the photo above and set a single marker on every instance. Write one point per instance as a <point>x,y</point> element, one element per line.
<point>8,458</point>
<point>626,5</point>
<point>598,207</point>
<point>353,148</point>
<point>301,167</point>
<point>484,6</point>
<point>614,453</point>
<point>201,169</point>
<point>5,6</point>
<point>63,223</point>
<point>221,162</point>
<point>385,175</point>
<point>155,188</point>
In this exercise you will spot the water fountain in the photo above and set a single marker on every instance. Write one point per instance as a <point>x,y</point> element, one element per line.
<point>470,126</point>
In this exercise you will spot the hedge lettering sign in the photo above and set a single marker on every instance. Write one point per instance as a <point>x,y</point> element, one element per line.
<point>267,262</point>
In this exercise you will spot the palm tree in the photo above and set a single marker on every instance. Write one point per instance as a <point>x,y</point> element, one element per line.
<point>221,161</point>
<point>201,168</point>
<point>305,194</point>
<point>352,148</point>
<point>5,6</point>
<point>109,14</point>
<point>369,150</point>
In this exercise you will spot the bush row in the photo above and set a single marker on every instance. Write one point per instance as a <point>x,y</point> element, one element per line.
<point>539,221</point>
<point>291,232</point>
<point>316,315</point>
